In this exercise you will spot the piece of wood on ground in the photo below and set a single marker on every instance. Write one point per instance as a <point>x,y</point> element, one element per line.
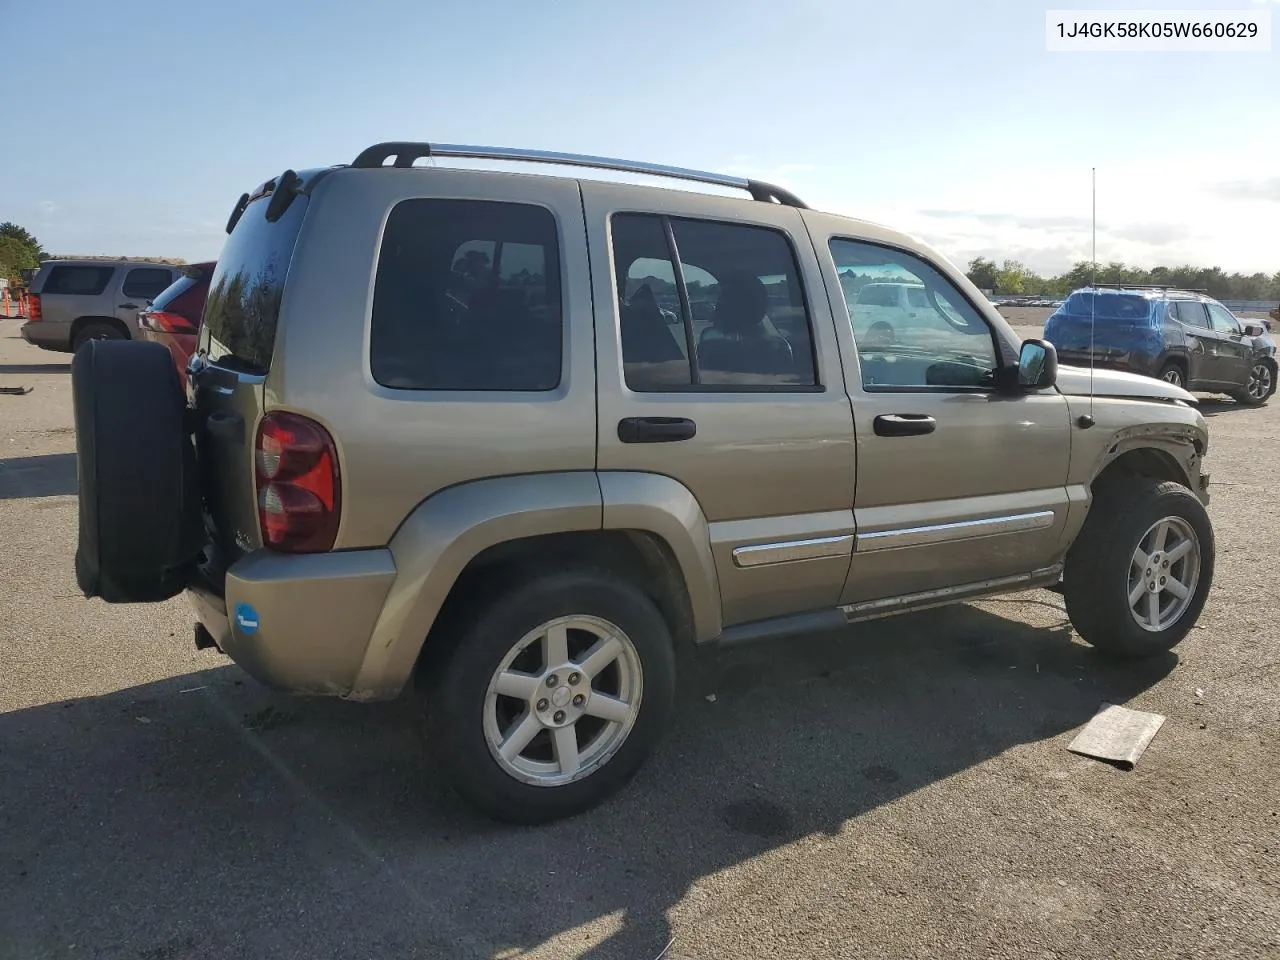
<point>1117,735</point>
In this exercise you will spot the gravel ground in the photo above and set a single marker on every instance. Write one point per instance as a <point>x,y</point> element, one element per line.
<point>898,790</point>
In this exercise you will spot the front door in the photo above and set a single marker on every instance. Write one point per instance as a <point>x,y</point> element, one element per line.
<point>958,483</point>
<point>718,369</point>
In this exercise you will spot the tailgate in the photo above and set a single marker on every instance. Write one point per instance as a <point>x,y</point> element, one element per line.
<point>232,360</point>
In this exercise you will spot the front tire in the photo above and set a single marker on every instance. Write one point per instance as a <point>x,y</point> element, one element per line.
<point>1138,575</point>
<point>545,700</point>
<point>1261,385</point>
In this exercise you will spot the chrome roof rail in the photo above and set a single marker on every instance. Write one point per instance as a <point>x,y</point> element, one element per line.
<point>406,153</point>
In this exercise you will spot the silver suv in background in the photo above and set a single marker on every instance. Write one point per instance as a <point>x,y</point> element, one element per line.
<point>439,434</point>
<point>72,301</point>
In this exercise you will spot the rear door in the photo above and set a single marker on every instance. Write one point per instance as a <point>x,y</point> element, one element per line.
<point>139,286</point>
<point>1235,354</point>
<point>1202,342</point>
<point>233,357</point>
<point>718,367</point>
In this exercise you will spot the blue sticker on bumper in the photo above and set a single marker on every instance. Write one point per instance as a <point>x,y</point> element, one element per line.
<point>246,618</point>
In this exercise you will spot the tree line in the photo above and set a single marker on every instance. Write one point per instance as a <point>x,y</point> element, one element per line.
<point>1014,278</point>
<point>19,250</point>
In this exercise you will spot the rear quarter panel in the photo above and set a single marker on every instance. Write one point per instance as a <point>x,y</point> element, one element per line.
<point>397,447</point>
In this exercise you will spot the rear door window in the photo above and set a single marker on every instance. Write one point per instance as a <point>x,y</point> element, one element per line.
<point>467,297</point>
<point>1191,312</point>
<point>79,281</point>
<point>146,283</point>
<point>247,285</point>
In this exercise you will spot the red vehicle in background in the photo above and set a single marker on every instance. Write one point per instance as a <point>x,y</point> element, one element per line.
<point>173,318</point>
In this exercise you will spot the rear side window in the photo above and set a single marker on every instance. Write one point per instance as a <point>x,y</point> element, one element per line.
<point>1191,312</point>
<point>245,290</point>
<point>467,297</point>
<point>705,305</point>
<point>78,281</point>
<point>146,283</point>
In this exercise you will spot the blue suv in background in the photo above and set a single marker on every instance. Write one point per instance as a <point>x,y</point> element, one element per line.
<point>1181,336</point>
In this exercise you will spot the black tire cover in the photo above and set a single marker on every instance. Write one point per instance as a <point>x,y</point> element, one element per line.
<point>140,517</point>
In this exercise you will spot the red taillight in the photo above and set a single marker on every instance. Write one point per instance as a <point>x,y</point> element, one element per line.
<point>299,491</point>
<point>33,307</point>
<point>168,322</point>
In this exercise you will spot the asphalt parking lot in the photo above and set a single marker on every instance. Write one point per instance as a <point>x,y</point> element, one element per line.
<point>902,789</point>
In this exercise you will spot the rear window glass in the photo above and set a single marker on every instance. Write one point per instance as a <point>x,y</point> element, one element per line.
<point>78,281</point>
<point>467,297</point>
<point>172,292</point>
<point>1108,306</point>
<point>878,295</point>
<point>245,290</point>
<point>146,283</point>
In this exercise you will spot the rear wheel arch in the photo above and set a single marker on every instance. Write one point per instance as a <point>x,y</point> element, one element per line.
<point>459,542</point>
<point>80,323</point>
<point>1179,360</point>
<point>637,557</point>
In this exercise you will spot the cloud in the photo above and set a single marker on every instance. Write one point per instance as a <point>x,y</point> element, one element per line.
<point>1266,189</point>
<point>48,207</point>
<point>1024,222</point>
<point>1153,234</point>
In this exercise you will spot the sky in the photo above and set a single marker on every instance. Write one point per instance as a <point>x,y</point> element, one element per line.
<point>133,126</point>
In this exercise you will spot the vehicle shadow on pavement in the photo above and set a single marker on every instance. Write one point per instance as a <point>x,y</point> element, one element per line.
<point>204,816</point>
<point>1212,407</point>
<point>50,475</point>
<point>30,368</point>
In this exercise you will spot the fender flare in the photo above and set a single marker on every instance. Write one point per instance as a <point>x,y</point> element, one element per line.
<point>1184,445</point>
<point>449,529</point>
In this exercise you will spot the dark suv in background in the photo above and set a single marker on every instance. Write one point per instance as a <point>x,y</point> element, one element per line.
<point>1182,336</point>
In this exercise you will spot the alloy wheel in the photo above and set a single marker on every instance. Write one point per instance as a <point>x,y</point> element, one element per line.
<point>1164,573</point>
<point>1260,378</point>
<point>563,700</point>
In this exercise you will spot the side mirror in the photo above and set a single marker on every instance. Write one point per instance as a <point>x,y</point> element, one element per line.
<point>1254,330</point>
<point>1037,365</point>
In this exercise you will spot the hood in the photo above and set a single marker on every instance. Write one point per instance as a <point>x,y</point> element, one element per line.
<point>1074,382</point>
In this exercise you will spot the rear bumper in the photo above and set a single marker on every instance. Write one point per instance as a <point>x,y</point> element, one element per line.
<point>50,335</point>
<point>1127,361</point>
<point>296,623</point>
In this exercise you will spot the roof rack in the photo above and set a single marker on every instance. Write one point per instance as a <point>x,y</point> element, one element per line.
<point>406,153</point>
<point>1150,286</point>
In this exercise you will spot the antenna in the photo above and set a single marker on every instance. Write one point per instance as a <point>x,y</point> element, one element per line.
<point>1086,420</point>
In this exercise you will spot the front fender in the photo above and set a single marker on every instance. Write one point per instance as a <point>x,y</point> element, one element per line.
<point>1123,426</point>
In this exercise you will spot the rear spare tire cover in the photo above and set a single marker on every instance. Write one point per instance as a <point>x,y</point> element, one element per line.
<point>140,517</point>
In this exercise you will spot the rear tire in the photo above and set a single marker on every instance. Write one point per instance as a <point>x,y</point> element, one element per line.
<point>1109,592</point>
<point>498,666</point>
<point>97,330</point>
<point>1172,373</point>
